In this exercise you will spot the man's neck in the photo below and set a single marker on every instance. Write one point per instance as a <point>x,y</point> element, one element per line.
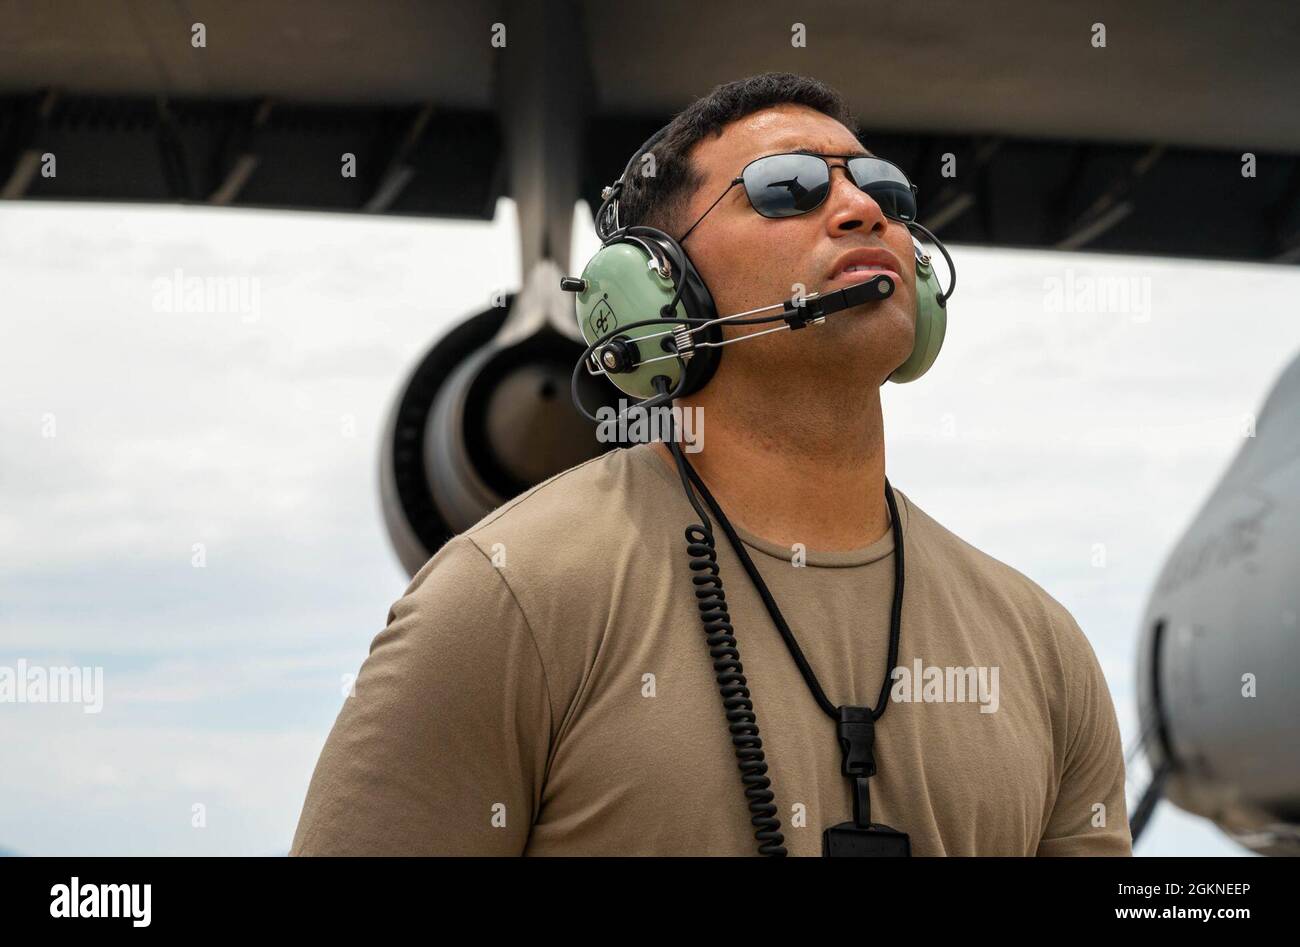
<point>810,473</point>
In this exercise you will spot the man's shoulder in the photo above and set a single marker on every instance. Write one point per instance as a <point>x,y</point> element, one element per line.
<point>579,514</point>
<point>565,499</point>
<point>535,546</point>
<point>973,571</point>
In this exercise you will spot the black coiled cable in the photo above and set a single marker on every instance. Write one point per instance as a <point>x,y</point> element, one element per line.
<point>736,702</point>
<point>742,721</point>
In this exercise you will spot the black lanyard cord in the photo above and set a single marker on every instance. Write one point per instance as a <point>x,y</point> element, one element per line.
<point>895,614</point>
<point>855,725</point>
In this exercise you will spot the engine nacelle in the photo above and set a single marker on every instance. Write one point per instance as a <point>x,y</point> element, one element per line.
<point>485,415</point>
<point>1219,662</point>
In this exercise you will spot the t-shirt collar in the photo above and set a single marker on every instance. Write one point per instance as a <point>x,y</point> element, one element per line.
<point>645,454</point>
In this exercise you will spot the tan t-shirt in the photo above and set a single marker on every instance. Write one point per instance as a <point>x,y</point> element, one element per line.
<point>544,687</point>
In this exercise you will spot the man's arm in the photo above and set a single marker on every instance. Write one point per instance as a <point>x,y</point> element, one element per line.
<point>1090,815</point>
<point>442,748</point>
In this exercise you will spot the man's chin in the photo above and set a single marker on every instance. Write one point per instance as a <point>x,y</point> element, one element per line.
<point>881,332</point>
<point>875,324</point>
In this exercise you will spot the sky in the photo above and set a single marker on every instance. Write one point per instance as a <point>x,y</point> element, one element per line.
<point>190,498</point>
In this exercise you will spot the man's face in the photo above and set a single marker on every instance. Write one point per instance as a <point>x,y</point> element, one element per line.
<point>748,260</point>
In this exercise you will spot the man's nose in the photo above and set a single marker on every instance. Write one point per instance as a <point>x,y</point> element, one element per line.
<point>850,206</point>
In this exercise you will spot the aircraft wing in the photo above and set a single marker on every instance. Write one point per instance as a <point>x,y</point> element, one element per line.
<point>1125,127</point>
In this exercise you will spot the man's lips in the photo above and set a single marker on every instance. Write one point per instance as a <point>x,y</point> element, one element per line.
<point>848,278</point>
<point>863,264</point>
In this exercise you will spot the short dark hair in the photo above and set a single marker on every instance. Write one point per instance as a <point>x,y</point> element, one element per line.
<point>660,200</point>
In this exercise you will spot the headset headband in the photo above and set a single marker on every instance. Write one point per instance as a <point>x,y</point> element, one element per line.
<point>611,194</point>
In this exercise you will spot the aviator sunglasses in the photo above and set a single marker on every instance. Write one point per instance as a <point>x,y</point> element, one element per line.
<point>787,185</point>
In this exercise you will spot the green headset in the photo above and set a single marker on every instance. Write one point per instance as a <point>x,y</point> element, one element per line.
<point>651,324</point>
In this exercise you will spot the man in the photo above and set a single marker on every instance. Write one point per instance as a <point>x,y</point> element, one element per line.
<point>544,686</point>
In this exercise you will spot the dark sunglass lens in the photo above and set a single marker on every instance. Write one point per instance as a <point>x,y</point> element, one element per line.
<point>786,185</point>
<point>887,186</point>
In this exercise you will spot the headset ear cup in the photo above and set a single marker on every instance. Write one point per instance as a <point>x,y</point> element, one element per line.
<point>697,302</point>
<point>931,326</point>
<point>625,285</point>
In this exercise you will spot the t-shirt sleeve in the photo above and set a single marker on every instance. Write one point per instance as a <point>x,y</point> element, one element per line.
<point>441,748</point>
<point>1090,814</point>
